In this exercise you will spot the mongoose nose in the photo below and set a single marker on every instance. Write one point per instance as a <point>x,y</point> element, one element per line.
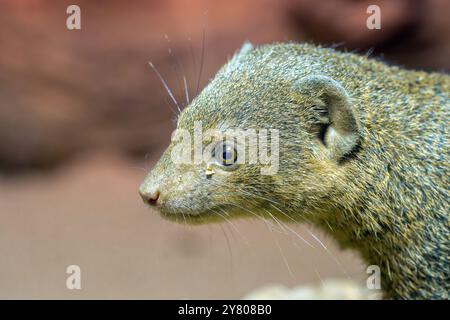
<point>150,198</point>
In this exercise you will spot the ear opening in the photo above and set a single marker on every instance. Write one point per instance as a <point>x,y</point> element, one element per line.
<point>332,110</point>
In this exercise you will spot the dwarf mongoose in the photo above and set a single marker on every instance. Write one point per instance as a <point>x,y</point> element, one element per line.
<point>363,153</point>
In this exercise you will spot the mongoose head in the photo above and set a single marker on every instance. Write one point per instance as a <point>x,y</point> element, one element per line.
<point>271,134</point>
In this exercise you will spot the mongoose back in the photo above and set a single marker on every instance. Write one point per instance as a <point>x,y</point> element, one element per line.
<point>363,153</point>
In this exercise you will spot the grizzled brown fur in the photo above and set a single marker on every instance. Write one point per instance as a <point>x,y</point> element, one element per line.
<point>364,154</point>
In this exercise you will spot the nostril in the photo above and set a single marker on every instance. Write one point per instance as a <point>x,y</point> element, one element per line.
<point>152,198</point>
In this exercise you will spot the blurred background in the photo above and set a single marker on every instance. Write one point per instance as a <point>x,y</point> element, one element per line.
<point>83,117</point>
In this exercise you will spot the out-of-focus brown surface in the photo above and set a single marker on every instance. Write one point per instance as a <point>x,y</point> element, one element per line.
<point>413,34</point>
<point>65,95</point>
<point>90,214</point>
<point>62,92</point>
<point>67,91</point>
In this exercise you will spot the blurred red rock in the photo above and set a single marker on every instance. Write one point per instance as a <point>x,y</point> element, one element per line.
<point>67,91</point>
<point>63,92</point>
<point>414,33</point>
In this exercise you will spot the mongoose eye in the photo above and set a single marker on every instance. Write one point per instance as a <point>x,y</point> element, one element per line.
<point>225,154</point>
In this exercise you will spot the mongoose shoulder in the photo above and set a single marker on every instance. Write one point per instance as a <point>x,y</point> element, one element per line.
<point>363,153</point>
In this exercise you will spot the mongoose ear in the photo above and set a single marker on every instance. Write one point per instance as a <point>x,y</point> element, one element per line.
<point>333,116</point>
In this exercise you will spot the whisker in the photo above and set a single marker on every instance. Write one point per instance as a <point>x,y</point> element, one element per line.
<point>165,85</point>
<point>295,233</point>
<point>231,223</point>
<point>289,217</point>
<point>194,62</point>
<point>281,224</point>
<point>170,106</point>
<point>185,86</point>
<point>286,262</point>
<point>179,67</point>
<point>276,220</point>
<point>317,239</point>
<point>201,61</point>
<point>229,248</point>
<point>320,278</point>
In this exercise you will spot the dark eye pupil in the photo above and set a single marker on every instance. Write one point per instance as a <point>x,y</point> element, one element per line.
<point>228,155</point>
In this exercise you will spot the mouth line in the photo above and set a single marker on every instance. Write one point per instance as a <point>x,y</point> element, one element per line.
<point>206,216</point>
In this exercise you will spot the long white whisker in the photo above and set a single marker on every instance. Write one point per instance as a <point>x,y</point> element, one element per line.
<point>317,239</point>
<point>231,223</point>
<point>181,68</point>
<point>186,91</point>
<point>295,233</point>
<point>201,62</point>
<point>286,262</point>
<point>229,248</point>
<point>165,85</point>
<point>194,63</point>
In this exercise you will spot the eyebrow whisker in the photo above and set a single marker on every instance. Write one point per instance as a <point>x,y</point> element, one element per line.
<point>166,86</point>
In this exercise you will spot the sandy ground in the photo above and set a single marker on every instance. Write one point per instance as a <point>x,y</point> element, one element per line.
<point>89,213</point>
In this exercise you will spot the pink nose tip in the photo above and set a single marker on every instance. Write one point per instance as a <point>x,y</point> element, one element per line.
<point>151,198</point>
